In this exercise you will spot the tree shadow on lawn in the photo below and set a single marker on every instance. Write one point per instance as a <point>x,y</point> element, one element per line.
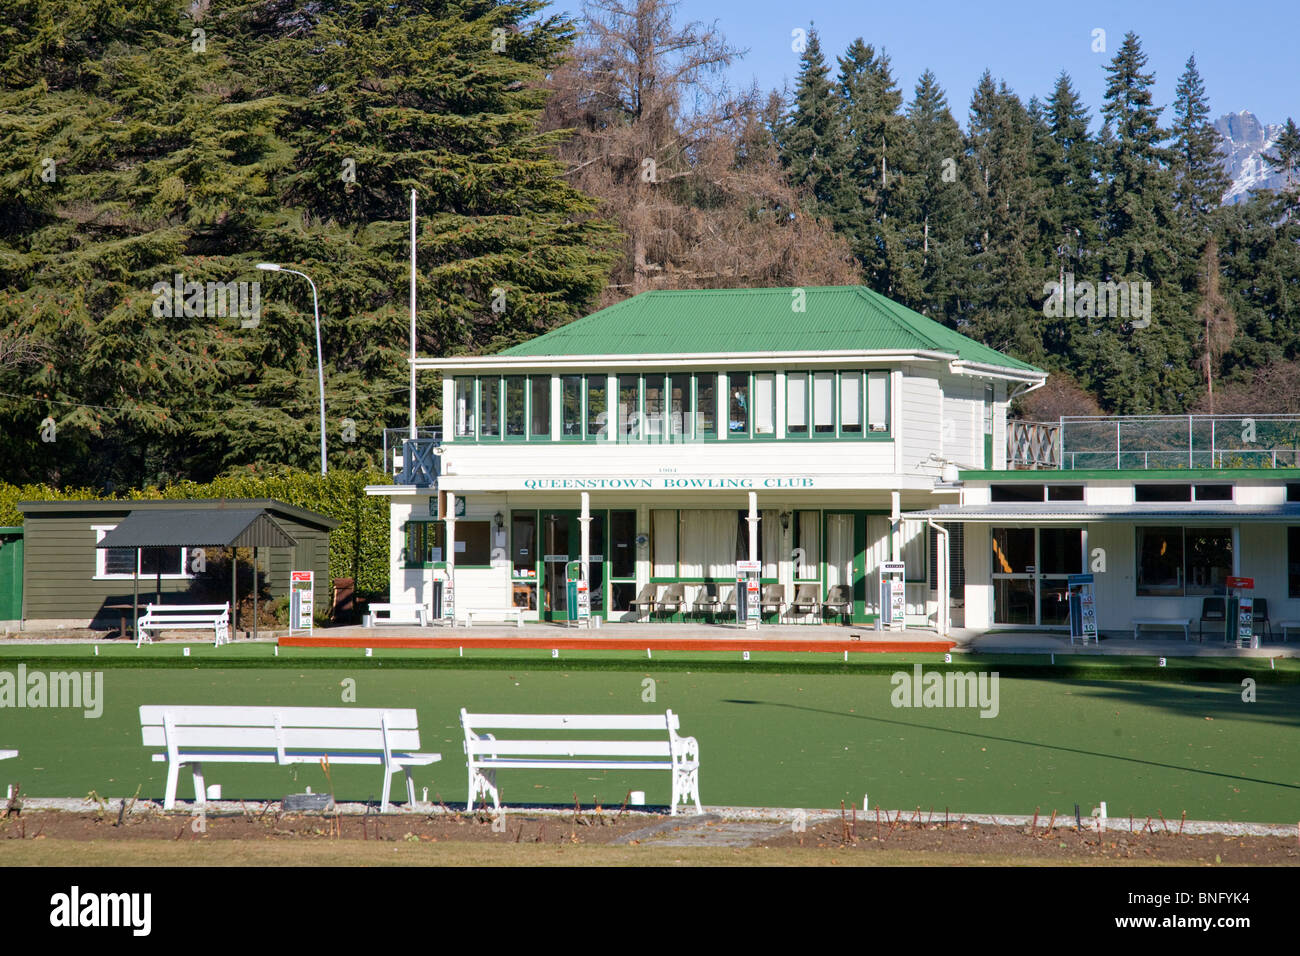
<point>1057,748</point>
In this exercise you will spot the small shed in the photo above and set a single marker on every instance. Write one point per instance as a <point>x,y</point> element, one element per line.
<point>76,575</point>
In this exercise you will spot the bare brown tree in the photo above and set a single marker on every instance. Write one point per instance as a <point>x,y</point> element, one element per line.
<point>1273,388</point>
<point>1062,395</point>
<point>686,167</point>
<point>1219,325</point>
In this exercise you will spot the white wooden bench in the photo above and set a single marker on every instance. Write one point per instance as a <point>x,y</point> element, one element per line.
<point>485,754</point>
<point>398,614</point>
<point>185,617</point>
<point>283,736</point>
<point>8,754</point>
<point>1169,623</point>
<point>1284,625</point>
<point>502,613</point>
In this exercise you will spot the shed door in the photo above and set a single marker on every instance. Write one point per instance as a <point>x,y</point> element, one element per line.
<point>11,577</point>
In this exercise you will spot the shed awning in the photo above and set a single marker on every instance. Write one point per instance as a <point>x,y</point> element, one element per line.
<point>198,528</point>
<point>1076,512</point>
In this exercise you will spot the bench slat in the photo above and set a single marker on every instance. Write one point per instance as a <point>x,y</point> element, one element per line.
<point>621,748</point>
<point>479,722</point>
<point>319,717</point>
<point>507,764</point>
<point>262,756</point>
<point>295,738</point>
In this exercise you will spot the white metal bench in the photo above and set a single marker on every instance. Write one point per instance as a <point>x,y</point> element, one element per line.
<point>398,614</point>
<point>8,754</point>
<point>283,736</point>
<point>1166,622</point>
<point>485,754</point>
<point>1284,625</point>
<point>503,613</point>
<point>185,617</point>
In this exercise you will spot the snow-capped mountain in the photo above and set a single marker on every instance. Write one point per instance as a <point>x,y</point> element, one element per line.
<point>1245,140</point>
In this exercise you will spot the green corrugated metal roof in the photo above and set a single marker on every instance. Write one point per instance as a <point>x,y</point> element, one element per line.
<point>211,528</point>
<point>836,318</point>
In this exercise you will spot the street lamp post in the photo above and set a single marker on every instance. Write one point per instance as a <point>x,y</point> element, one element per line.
<point>320,364</point>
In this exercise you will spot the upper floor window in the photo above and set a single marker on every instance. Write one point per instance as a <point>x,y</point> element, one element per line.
<point>671,406</point>
<point>466,406</point>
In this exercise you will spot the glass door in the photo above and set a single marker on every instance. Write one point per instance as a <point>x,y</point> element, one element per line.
<point>1030,569</point>
<point>562,543</point>
<point>846,564</point>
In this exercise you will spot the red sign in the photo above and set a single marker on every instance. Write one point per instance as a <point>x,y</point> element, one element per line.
<point>1244,583</point>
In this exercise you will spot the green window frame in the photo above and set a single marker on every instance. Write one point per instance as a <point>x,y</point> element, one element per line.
<point>514,407</point>
<point>596,415</point>
<point>539,407</point>
<point>572,410</point>
<point>704,405</point>
<point>489,408</point>
<point>739,406</point>
<point>630,412</point>
<point>797,404</point>
<point>465,410</point>
<point>877,421</point>
<point>425,545</point>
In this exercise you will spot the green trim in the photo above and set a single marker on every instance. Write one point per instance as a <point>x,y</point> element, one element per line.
<point>1129,474</point>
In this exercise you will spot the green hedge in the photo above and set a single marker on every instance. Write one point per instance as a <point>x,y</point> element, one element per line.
<point>358,546</point>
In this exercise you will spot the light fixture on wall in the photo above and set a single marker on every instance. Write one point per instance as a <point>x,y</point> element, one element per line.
<point>500,520</point>
<point>785,521</point>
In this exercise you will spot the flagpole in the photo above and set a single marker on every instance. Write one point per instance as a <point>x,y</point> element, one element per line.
<point>414,434</point>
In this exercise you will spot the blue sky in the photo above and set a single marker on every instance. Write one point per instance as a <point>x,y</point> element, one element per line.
<point>1246,54</point>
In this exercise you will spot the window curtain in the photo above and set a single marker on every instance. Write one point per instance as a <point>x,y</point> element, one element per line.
<point>663,529</point>
<point>913,534</point>
<point>769,531</point>
<point>839,550</point>
<point>809,540</point>
<point>708,542</point>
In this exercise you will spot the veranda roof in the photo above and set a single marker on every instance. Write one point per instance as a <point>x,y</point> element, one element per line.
<point>198,528</point>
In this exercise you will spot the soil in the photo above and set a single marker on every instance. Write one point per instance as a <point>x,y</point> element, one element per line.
<point>916,837</point>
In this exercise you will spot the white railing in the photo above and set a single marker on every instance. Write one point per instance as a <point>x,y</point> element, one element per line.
<point>1179,441</point>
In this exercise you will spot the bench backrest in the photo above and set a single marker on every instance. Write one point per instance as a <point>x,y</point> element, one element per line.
<point>279,728</point>
<point>475,725</point>
<point>157,610</point>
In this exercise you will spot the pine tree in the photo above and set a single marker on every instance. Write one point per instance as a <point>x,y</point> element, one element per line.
<point>1152,368</point>
<point>872,210</point>
<point>243,133</point>
<point>1199,177</point>
<point>811,135</point>
<point>1005,284</point>
<point>1071,179</point>
<point>941,208</point>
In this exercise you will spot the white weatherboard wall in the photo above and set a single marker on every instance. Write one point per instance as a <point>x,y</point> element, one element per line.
<point>407,585</point>
<point>979,587</point>
<point>963,426</point>
<point>922,427</point>
<point>467,464</point>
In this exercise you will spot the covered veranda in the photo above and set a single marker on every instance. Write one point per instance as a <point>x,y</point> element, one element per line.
<point>194,528</point>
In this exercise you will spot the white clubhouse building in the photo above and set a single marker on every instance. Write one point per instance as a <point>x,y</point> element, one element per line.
<point>821,432</point>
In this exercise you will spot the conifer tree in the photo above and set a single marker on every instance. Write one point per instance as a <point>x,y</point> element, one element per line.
<point>1199,177</point>
<point>811,135</point>
<point>940,200</point>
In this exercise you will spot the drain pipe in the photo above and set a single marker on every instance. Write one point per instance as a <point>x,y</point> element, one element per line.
<point>941,558</point>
